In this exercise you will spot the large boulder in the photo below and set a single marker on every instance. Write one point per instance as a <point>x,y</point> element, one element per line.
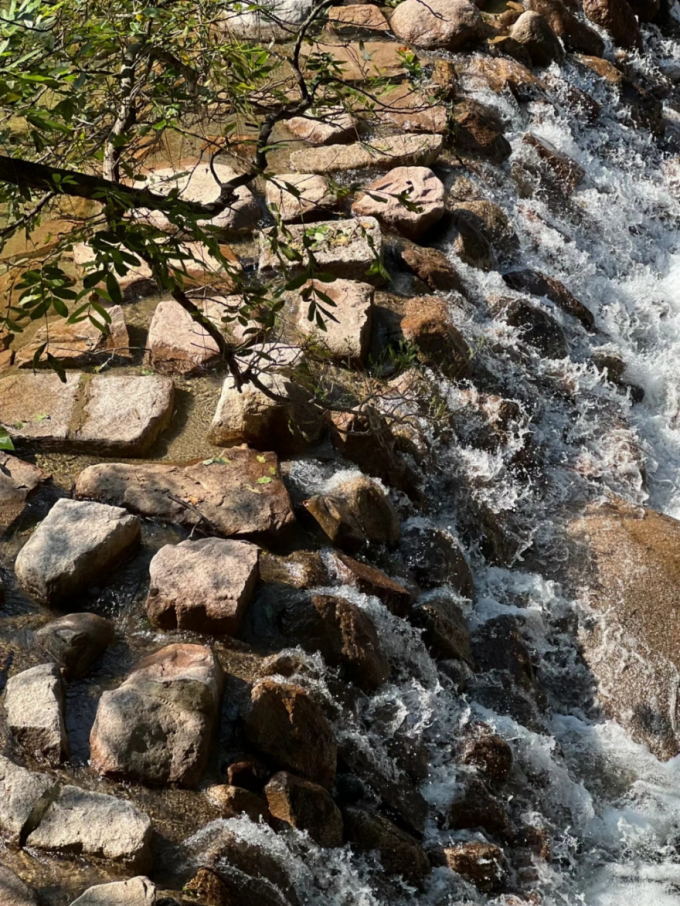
<point>138,891</point>
<point>80,344</point>
<point>390,199</point>
<point>407,108</point>
<point>346,331</point>
<point>77,543</point>
<point>76,641</point>
<point>407,150</point>
<point>18,480</point>
<point>223,496</point>
<point>357,16</point>
<point>306,806</point>
<point>300,197</point>
<point>289,728</point>
<point>616,17</point>
<point>34,701</point>
<point>13,891</point>
<point>24,796</point>
<point>82,823</point>
<point>441,25</point>
<point>541,169</point>
<point>202,586</point>
<point>157,726</point>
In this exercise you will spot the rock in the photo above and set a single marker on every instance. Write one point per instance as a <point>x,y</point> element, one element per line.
<point>435,558</point>
<point>18,480</point>
<point>249,773</point>
<point>493,224</point>
<point>478,129</point>
<point>206,887</point>
<point>471,245</point>
<point>108,414</point>
<point>301,569</point>
<point>24,796</point>
<point>475,807</point>
<point>330,126</point>
<point>277,20</point>
<point>498,645</point>
<point>76,641</point>
<point>388,199</point>
<point>202,182</point>
<point>433,268</point>
<point>361,16</point>
<point>348,336</point>
<point>288,727</point>
<point>34,701</point>
<point>538,284</point>
<point>536,327</point>
<point>427,325</point>
<point>616,17</point>
<point>233,801</point>
<point>407,150</point>
<point>157,726</point>
<point>399,853</point>
<point>300,197</point>
<point>356,511</point>
<point>13,891</point>
<point>445,628</point>
<point>138,891</point>
<point>439,25</point>
<point>345,636</point>
<point>361,60</point>
<point>305,806</point>
<point>81,344</point>
<point>576,35</point>
<point>202,586</point>
<point>370,581</point>
<point>534,33</point>
<point>483,864</point>
<point>223,495</point>
<point>73,546</point>
<point>82,823</point>
<point>545,169</point>
<point>490,754</point>
<point>344,248</point>
<point>409,109</point>
<point>497,73</point>
<point>287,423</point>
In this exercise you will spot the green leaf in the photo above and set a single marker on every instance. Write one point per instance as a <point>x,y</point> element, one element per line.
<point>6,444</point>
<point>264,480</point>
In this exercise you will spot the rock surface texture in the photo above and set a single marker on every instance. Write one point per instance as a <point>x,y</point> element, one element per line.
<point>408,200</point>
<point>34,702</point>
<point>439,25</point>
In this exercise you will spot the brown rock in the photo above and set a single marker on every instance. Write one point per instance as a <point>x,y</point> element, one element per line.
<point>390,197</point>
<point>81,344</point>
<point>427,325</point>
<point>363,16</point>
<point>475,807</point>
<point>433,268</point>
<point>410,109</point>
<point>346,334</point>
<point>207,888</point>
<point>538,284</point>
<point>301,569</point>
<point>435,558</point>
<point>536,327</point>
<point>287,726</point>
<point>76,641</point>
<point>371,581</point>
<point>438,26</point>
<point>382,153</point>
<point>575,34</point>
<point>330,126</point>
<point>18,480</point>
<point>38,407</point>
<point>300,197</point>
<point>362,60</point>
<point>478,129</point>
<point>399,853</point>
<point>646,10</point>
<point>248,773</point>
<point>483,864</point>
<point>305,806</point>
<point>224,495</point>
<point>35,703</point>
<point>616,17</point>
<point>470,244</point>
<point>492,222</point>
<point>233,801</point>
<point>356,511</point>
<point>496,73</point>
<point>564,172</point>
<point>534,33</point>
<point>498,645</point>
<point>445,628</point>
<point>490,754</point>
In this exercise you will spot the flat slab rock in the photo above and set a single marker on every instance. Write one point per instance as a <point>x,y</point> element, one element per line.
<point>330,126</point>
<point>138,891</point>
<point>204,586</point>
<point>349,335</point>
<point>18,480</point>
<point>80,344</point>
<point>157,726</point>
<point>107,414</point>
<point>300,197</point>
<point>417,184</point>
<point>361,60</point>
<point>34,702</point>
<point>409,150</point>
<point>222,496</point>
<point>74,546</point>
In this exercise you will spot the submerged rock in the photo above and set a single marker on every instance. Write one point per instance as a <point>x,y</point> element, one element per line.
<point>13,891</point>
<point>435,558</point>
<point>77,543</point>
<point>536,327</point>
<point>437,26</point>
<point>529,281</point>
<point>490,754</point>
<point>76,641</point>
<point>138,891</point>
<point>24,797</point>
<point>18,480</point>
<point>34,701</point>
<point>371,581</point>
<point>157,726</point>
<point>445,628</point>
<point>475,807</point>
<point>305,806</point>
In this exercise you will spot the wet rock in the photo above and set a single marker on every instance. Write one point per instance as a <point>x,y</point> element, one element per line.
<point>73,547</point>
<point>138,891</point>
<point>483,864</point>
<point>409,109</point>
<point>534,33</point>
<point>497,73</point>
<point>82,823</point>
<point>38,407</point>
<point>370,581</point>
<point>433,268</point>
<point>388,197</point>
<point>439,26</point>
<point>248,772</point>
<point>471,245</point>
<point>344,248</point>
<point>202,183</point>
<point>498,645</point>
<point>616,17</point>
<point>475,807</point>
<point>576,35</point>
<point>301,569</point>
<point>34,701</point>
<point>206,887</point>
<point>538,284</point>
<point>202,586</point>
<point>490,754</point>
<point>399,853</point>
<point>233,801</point>
<point>361,60</point>
<point>346,335</point>
<point>76,641</point>
<point>493,224</point>
<point>24,797</point>
<point>157,726</point>
<point>435,558</point>
<point>305,806</point>
<point>545,169</point>
<point>427,325</point>
<point>300,197</point>
<point>498,691</point>
<point>355,512</point>
<point>18,480</point>
<point>407,150</point>
<point>536,327</point>
<point>330,126</point>
<point>13,891</point>
<point>445,628</point>
<point>363,17</point>
<point>78,345</point>
<point>478,129</point>
<point>276,20</point>
<point>288,727</point>
<point>222,496</point>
